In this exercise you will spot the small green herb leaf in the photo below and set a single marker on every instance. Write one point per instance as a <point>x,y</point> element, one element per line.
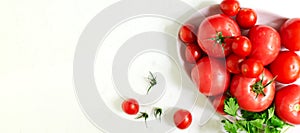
<point>152,81</point>
<point>158,113</point>
<point>143,115</point>
<point>229,126</point>
<point>231,107</point>
<point>258,123</point>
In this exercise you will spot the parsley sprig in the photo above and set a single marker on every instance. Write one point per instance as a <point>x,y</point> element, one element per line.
<point>251,122</point>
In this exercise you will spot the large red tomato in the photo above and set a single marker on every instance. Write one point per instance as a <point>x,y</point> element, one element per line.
<point>211,76</point>
<point>253,94</point>
<point>287,104</point>
<point>290,34</point>
<point>213,32</point>
<point>265,42</point>
<point>286,66</point>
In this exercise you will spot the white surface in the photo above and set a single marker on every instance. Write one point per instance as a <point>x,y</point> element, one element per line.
<point>37,43</point>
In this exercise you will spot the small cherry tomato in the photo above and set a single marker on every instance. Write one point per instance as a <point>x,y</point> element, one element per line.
<point>287,104</point>
<point>187,33</point>
<point>182,118</point>
<point>290,34</point>
<point>230,7</point>
<point>251,68</point>
<point>130,106</point>
<point>286,66</point>
<point>241,46</point>
<point>246,18</point>
<point>218,104</point>
<point>192,53</point>
<point>233,63</point>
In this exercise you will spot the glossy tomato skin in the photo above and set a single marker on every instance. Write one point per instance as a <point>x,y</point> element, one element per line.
<point>187,33</point>
<point>230,7</point>
<point>211,33</point>
<point>265,42</point>
<point>210,76</point>
<point>233,63</point>
<point>287,104</point>
<point>218,103</point>
<point>182,118</point>
<point>290,34</point>
<point>241,89</point>
<point>241,46</point>
<point>192,53</point>
<point>251,68</point>
<point>130,106</point>
<point>286,66</point>
<point>246,18</point>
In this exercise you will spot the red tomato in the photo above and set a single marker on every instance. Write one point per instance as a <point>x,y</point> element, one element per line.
<point>187,33</point>
<point>210,76</point>
<point>218,104</point>
<point>230,7</point>
<point>233,63</point>
<point>287,104</point>
<point>265,42</point>
<point>251,93</point>
<point>130,106</point>
<point>246,18</point>
<point>192,53</point>
<point>290,34</point>
<point>212,34</point>
<point>241,46</point>
<point>251,68</point>
<point>286,66</point>
<point>182,118</point>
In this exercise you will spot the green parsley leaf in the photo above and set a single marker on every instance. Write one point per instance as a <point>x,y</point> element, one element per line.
<point>231,107</point>
<point>258,123</point>
<point>229,126</point>
<point>271,112</point>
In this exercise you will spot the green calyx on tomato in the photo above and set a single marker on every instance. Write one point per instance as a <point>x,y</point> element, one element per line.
<point>297,107</point>
<point>258,87</point>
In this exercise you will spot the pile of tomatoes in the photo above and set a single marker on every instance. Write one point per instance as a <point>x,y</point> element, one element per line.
<point>233,56</point>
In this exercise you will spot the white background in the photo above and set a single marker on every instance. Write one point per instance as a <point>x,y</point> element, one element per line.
<point>37,45</point>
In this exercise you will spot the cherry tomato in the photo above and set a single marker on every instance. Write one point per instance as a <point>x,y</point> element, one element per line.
<point>130,106</point>
<point>182,118</point>
<point>251,68</point>
<point>246,18</point>
<point>212,34</point>
<point>187,33</point>
<point>230,7</point>
<point>286,66</point>
<point>290,34</point>
<point>233,63</point>
<point>192,53</point>
<point>253,94</point>
<point>218,104</point>
<point>287,104</point>
<point>265,42</point>
<point>241,46</point>
<point>210,76</point>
